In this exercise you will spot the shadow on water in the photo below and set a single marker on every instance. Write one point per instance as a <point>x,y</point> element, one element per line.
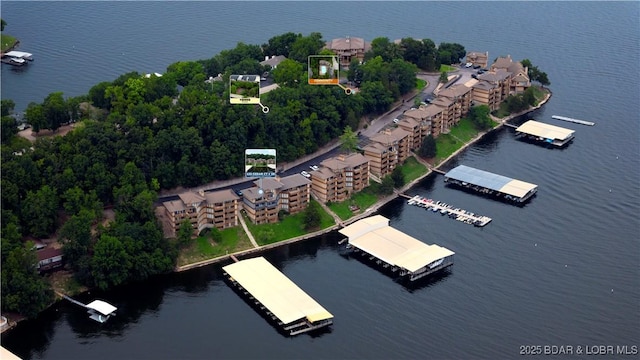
<point>427,281</point>
<point>32,337</point>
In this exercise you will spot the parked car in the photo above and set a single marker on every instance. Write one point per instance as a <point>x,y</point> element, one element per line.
<point>468,65</point>
<point>396,120</point>
<point>305,174</point>
<point>238,192</point>
<point>314,167</point>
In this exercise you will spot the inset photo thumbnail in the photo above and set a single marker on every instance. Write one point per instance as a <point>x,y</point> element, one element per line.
<point>259,163</point>
<point>244,89</point>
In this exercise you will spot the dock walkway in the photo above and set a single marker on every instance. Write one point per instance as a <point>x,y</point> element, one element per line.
<point>577,121</point>
<point>446,209</point>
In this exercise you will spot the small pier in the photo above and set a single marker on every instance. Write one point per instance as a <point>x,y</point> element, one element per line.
<point>98,310</point>
<point>446,209</point>
<point>577,121</point>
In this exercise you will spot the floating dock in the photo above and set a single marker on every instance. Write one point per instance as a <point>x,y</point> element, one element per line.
<point>492,184</point>
<point>577,121</point>
<point>545,133</point>
<point>446,209</point>
<point>263,286</point>
<point>16,58</point>
<point>392,249</point>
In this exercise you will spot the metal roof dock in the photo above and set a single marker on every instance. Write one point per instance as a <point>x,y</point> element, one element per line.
<point>279,298</point>
<point>490,183</point>
<point>391,248</point>
<point>546,133</point>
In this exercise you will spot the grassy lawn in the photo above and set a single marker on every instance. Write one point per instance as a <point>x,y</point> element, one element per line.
<point>7,41</point>
<point>233,239</point>
<point>420,84</point>
<point>447,68</point>
<point>291,226</point>
<point>465,130</point>
<point>363,200</point>
<point>412,169</point>
<point>445,146</point>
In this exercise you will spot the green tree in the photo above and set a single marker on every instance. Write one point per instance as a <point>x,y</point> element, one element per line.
<point>454,51</point>
<point>23,289</point>
<point>312,216</point>
<point>428,147</point>
<point>76,239</point>
<point>40,210</point>
<point>288,73</point>
<point>398,177</point>
<point>305,46</point>
<point>479,116</point>
<point>386,188</point>
<point>35,116</point>
<point>386,49</point>
<point>2,24</point>
<point>110,263</point>
<point>444,77</point>
<point>7,106</point>
<point>184,232</point>
<point>377,98</point>
<point>348,140</point>
<point>55,110</point>
<point>8,128</point>
<point>280,44</point>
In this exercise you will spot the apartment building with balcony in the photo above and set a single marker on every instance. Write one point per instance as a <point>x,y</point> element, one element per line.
<point>449,111</point>
<point>217,209</point>
<point>518,74</point>
<point>348,49</point>
<point>492,88</point>
<point>386,150</point>
<point>339,177</point>
<point>417,123</point>
<point>270,195</point>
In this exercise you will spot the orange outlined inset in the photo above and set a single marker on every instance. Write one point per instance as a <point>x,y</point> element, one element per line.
<point>324,81</point>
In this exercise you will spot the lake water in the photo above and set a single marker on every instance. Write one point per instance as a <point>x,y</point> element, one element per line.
<point>562,270</point>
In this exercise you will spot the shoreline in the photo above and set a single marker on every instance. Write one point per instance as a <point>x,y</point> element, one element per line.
<point>375,206</point>
<point>369,211</point>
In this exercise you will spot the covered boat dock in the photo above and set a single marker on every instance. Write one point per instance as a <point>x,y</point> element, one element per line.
<point>390,248</point>
<point>491,184</point>
<point>277,296</point>
<point>548,134</point>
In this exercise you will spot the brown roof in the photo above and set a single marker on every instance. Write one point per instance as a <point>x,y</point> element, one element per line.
<point>349,43</point>
<point>494,76</point>
<point>293,181</point>
<point>344,161</point>
<point>375,147</point>
<point>48,253</point>
<point>323,173</point>
<point>251,193</point>
<point>191,197</point>
<point>484,85</point>
<point>454,91</point>
<point>355,159</point>
<point>273,61</point>
<point>269,184</point>
<point>419,113</point>
<point>390,137</point>
<point>221,196</point>
<point>173,206</point>
<point>442,101</point>
<point>477,54</point>
<point>502,62</point>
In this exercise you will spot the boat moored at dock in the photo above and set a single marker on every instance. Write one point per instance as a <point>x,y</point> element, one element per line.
<point>445,209</point>
<point>16,58</point>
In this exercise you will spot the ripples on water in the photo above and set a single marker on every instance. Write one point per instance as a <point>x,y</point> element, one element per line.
<point>538,274</point>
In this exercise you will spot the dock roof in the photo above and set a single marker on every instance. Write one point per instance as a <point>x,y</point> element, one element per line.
<point>546,131</point>
<point>275,291</point>
<point>102,307</point>
<point>491,181</point>
<point>374,236</point>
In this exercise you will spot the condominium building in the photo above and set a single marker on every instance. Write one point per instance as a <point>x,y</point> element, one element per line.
<point>270,195</point>
<point>217,209</point>
<point>348,49</point>
<point>417,123</point>
<point>477,58</point>
<point>461,96</point>
<point>492,88</point>
<point>339,177</point>
<point>386,150</point>
<point>518,74</point>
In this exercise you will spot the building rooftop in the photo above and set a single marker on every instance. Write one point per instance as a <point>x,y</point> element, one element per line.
<point>491,181</point>
<point>190,197</point>
<point>455,91</point>
<point>292,181</point>
<point>374,236</point>
<point>273,61</point>
<point>275,291</point>
<point>348,43</point>
<point>221,196</point>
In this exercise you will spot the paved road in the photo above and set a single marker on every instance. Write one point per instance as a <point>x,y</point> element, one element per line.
<point>375,126</point>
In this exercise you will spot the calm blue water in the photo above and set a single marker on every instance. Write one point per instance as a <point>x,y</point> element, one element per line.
<point>563,270</point>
